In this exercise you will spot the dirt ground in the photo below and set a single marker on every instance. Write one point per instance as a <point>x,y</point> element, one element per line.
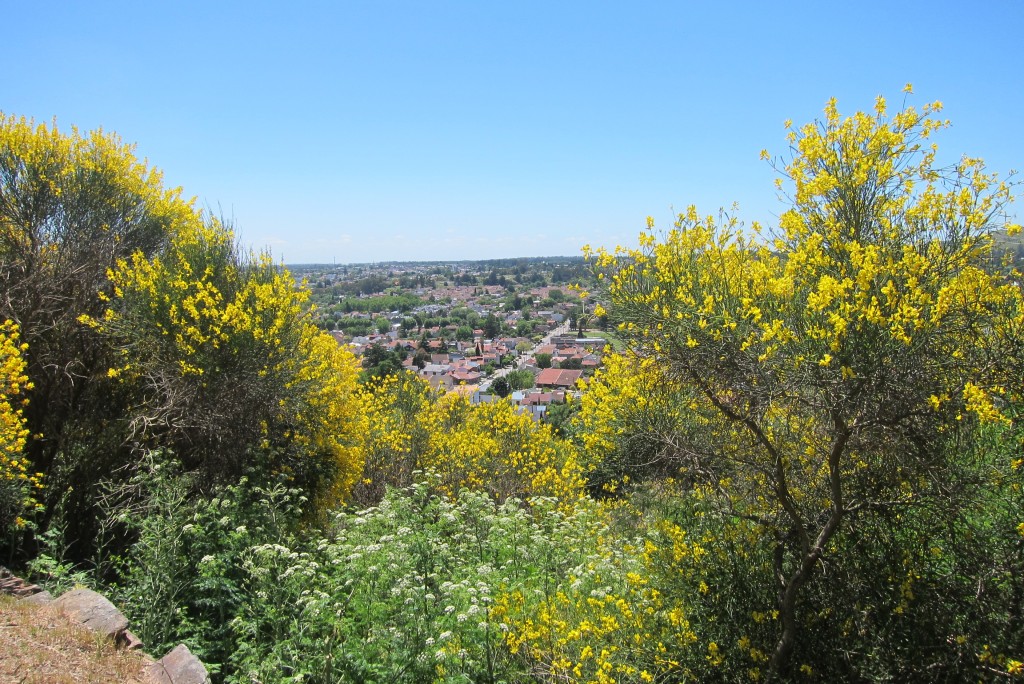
<point>38,645</point>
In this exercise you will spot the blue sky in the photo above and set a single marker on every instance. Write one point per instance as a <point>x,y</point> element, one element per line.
<point>373,131</point>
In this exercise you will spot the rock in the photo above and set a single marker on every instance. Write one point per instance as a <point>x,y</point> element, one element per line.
<point>129,641</point>
<point>179,666</point>
<point>15,586</point>
<point>94,611</point>
<point>40,597</point>
<point>154,673</point>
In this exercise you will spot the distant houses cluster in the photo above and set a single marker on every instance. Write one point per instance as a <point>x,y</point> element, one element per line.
<point>466,332</point>
<point>471,366</point>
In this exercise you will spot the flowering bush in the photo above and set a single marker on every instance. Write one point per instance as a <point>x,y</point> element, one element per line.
<point>415,432</point>
<point>71,204</point>
<point>413,590</point>
<point>228,365</point>
<point>18,484</point>
<point>829,367</point>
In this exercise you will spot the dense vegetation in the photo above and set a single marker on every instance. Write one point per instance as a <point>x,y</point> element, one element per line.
<point>803,465</point>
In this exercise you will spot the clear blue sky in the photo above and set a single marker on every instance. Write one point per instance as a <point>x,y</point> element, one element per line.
<point>371,131</point>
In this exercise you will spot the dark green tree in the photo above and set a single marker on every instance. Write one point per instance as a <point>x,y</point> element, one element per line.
<point>491,327</point>
<point>501,387</point>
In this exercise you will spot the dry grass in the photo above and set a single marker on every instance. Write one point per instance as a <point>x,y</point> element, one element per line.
<point>38,645</point>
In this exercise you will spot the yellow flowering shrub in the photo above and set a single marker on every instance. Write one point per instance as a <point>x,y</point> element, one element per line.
<point>498,449</point>
<point>827,362</point>
<point>630,424</point>
<point>230,366</point>
<point>623,384</point>
<point>17,483</point>
<point>598,616</point>
<point>416,433</point>
<point>396,434</point>
<point>71,204</point>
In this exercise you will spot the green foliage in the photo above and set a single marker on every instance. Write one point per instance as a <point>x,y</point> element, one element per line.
<point>52,567</point>
<point>354,326</point>
<point>501,387</point>
<point>925,594</point>
<point>423,588</point>
<point>543,360</point>
<point>491,327</point>
<point>520,379</point>
<point>182,580</point>
<point>403,593</point>
<point>559,417</point>
<point>403,302</point>
<point>524,328</point>
<point>413,590</point>
<point>407,326</point>
<point>379,362</point>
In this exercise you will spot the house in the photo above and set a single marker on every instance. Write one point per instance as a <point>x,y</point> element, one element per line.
<point>465,376</point>
<point>569,340</point>
<point>556,378</point>
<point>441,381</point>
<point>542,398</point>
<point>434,370</point>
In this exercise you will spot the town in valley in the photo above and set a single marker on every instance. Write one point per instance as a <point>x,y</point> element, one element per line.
<point>522,330</point>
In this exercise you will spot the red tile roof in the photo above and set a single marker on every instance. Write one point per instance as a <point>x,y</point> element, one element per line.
<point>556,377</point>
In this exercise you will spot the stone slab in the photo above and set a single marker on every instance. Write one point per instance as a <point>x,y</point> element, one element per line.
<point>94,611</point>
<point>179,666</point>
<point>40,597</point>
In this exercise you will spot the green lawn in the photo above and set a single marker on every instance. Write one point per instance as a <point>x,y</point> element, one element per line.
<point>610,337</point>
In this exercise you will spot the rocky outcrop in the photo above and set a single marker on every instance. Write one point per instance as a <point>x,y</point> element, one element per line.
<point>95,612</point>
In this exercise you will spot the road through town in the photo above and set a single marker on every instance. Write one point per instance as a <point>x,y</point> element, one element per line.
<point>562,329</point>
